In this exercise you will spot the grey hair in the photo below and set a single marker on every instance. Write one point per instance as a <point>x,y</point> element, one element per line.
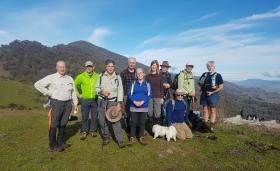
<point>60,62</point>
<point>211,63</point>
<point>132,58</point>
<point>140,69</point>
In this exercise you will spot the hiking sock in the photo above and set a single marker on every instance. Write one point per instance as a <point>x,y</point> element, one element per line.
<point>212,125</point>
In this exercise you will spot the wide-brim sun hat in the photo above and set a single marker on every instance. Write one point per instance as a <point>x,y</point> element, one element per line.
<point>113,115</point>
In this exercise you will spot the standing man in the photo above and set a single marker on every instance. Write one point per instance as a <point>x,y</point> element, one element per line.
<point>168,93</point>
<point>110,93</point>
<point>60,88</point>
<point>128,76</point>
<point>210,83</point>
<point>85,86</point>
<point>186,84</point>
<point>167,80</point>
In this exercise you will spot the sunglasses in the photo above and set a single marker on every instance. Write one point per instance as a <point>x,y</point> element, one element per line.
<point>179,95</point>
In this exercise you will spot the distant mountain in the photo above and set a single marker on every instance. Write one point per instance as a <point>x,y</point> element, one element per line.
<point>29,61</point>
<point>268,85</point>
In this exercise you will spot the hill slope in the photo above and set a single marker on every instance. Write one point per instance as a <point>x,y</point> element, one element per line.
<point>29,61</point>
<point>268,85</point>
<point>24,142</point>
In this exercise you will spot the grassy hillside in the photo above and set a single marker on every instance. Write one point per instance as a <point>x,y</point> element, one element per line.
<point>24,144</point>
<point>19,95</point>
<point>23,141</point>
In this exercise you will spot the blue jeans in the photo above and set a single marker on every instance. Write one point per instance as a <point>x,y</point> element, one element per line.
<point>89,106</point>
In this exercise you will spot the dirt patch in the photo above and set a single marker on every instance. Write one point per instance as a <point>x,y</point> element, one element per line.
<point>167,150</point>
<point>263,148</point>
<point>236,152</point>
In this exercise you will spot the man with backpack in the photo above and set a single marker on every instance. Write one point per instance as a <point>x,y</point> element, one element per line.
<point>110,93</point>
<point>210,83</point>
<point>186,84</point>
<point>167,90</point>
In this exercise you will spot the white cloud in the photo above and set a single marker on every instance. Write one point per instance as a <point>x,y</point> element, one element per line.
<point>272,74</point>
<point>234,45</point>
<point>98,35</point>
<point>205,17</point>
<point>271,14</point>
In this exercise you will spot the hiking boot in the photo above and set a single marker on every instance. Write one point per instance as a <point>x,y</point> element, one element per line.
<point>56,149</point>
<point>93,134</point>
<point>212,125</point>
<point>121,144</point>
<point>105,141</point>
<point>83,136</point>
<point>131,141</point>
<point>142,141</point>
<point>65,145</point>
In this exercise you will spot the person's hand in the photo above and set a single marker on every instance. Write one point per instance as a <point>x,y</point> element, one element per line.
<point>166,85</point>
<point>138,103</point>
<point>119,108</point>
<point>161,101</point>
<point>105,93</point>
<point>141,103</point>
<point>209,93</point>
<point>76,109</point>
<point>192,94</point>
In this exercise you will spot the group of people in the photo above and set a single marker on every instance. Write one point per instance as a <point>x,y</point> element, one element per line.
<point>144,99</point>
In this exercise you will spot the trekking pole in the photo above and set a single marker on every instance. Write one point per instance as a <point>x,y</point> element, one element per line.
<point>105,99</point>
<point>193,103</point>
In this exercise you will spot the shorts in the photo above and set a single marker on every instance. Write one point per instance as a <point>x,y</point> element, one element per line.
<point>211,101</point>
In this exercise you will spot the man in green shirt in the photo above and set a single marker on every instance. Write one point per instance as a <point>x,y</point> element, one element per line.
<point>186,83</point>
<point>85,85</point>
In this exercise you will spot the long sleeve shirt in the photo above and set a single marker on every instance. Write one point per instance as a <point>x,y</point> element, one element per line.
<point>127,78</point>
<point>85,85</point>
<point>59,87</point>
<point>156,82</point>
<point>112,84</point>
<point>139,92</point>
<point>186,82</point>
<point>177,113</point>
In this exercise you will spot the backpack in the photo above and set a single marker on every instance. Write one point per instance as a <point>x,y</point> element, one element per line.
<point>116,80</point>
<point>175,81</point>
<point>173,105</point>
<point>213,80</point>
<point>148,88</point>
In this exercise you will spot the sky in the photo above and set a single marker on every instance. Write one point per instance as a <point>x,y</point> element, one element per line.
<point>242,36</point>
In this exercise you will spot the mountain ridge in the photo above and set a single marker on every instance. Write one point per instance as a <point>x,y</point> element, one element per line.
<point>29,61</point>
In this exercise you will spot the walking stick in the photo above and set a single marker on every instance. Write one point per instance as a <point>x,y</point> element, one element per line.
<point>105,99</point>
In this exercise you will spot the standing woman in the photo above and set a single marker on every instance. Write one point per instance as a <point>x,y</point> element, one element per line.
<point>156,81</point>
<point>139,95</point>
<point>210,83</point>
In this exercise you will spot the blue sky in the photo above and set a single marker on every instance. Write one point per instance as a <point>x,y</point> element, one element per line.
<point>242,36</point>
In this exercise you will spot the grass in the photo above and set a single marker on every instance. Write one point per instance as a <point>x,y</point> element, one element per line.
<point>14,93</point>
<point>24,142</point>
